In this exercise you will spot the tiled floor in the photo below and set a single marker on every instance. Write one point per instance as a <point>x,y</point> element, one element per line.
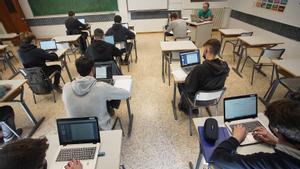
<point>157,141</point>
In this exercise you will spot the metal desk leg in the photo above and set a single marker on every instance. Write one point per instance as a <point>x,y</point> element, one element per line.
<point>64,62</point>
<point>135,49</point>
<point>269,94</point>
<point>10,65</point>
<point>169,70</point>
<point>174,102</point>
<point>240,55</point>
<point>198,163</point>
<point>162,68</point>
<point>130,116</point>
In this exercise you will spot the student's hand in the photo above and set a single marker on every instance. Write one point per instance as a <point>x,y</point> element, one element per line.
<point>261,134</point>
<point>74,164</point>
<point>239,133</point>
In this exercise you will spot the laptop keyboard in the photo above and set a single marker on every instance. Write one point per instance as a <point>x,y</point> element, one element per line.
<point>68,154</point>
<point>188,69</point>
<point>250,126</point>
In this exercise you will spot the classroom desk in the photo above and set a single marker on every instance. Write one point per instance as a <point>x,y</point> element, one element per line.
<point>125,82</point>
<point>3,51</point>
<point>252,42</point>
<point>16,90</point>
<point>70,39</point>
<point>174,46</point>
<point>292,67</point>
<point>200,32</point>
<point>13,37</point>
<point>111,143</point>
<point>231,33</point>
<point>250,149</point>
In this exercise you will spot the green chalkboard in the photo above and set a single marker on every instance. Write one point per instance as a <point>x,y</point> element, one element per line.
<point>52,7</point>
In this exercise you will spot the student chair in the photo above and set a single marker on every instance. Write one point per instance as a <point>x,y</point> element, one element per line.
<point>203,99</point>
<point>7,126</point>
<point>264,60</point>
<point>39,83</point>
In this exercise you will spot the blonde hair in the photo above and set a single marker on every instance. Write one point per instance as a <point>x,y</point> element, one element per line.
<point>27,37</point>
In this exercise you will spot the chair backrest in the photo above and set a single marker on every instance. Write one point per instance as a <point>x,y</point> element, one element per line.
<point>37,80</point>
<point>272,53</point>
<point>115,69</point>
<point>208,98</point>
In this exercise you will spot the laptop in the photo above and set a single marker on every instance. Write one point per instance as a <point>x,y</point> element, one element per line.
<point>48,45</point>
<point>195,18</point>
<point>104,73</point>
<point>79,139</point>
<point>242,110</point>
<point>82,20</point>
<point>188,60</point>
<point>109,39</point>
<point>125,25</point>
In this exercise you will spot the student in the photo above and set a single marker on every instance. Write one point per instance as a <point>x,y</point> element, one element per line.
<point>283,118</point>
<point>101,51</point>
<point>31,56</point>
<point>205,13</point>
<point>74,27</point>
<point>178,26</point>
<point>121,34</point>
<point>210,75</point>
<point>7,115</point>
<point>87,97</point>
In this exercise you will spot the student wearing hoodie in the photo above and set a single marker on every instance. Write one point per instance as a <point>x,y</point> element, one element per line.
<point>210,75</point>
<point>121,34</point>
<point>284,123</point>
<point>101,51</point>
<point>87,97</point>
<point>31,56</point>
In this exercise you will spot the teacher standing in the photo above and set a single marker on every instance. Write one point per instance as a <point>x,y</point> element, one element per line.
<point>205,13</point>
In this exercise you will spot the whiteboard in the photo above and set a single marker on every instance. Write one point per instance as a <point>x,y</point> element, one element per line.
<point>138,5</point>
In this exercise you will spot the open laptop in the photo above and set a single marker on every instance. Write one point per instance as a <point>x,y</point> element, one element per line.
<point>195,18</point>
<point>82,20</point>
<point>125,25</point>
<point>109,39</point>
<point>104,73</point>
<point>79,139</point>
<point>48,45</point>
<point>242,110</point>
<point>188,60</point>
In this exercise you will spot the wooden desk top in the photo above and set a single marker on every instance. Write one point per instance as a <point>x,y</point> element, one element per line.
<point>8,36</point>
<point>67,38</point>
<point>292,66</point>
<point>259,41</point>
<point>199,23</point>
<point>177,46</point>
<point>229,32</point>
<point>15,85</point>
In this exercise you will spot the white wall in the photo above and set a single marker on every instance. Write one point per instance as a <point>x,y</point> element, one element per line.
<point>290,15</point>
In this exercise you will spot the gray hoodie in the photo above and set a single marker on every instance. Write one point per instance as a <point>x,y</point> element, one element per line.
<point>87,97</point>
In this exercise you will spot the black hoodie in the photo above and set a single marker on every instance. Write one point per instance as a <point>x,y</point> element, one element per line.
<point>120,33</point>
<point>210,75</point>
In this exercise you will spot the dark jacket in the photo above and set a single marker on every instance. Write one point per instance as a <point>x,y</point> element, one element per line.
<point>31,56</point>
<point>100,51</point>
<point>120,33</point>
<point>224,157</point>
<point>210,75</point>
<point>74,26</point>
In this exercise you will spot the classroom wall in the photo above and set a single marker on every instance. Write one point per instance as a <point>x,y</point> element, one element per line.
<point>290,16</point>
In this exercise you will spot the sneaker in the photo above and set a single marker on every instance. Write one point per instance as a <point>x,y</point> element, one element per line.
<point>58,89</point>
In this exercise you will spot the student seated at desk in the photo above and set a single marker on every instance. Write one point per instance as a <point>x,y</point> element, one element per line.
<point>74,27</point>
<point>208,76</point>
<point>177,25</point>
<point>101,51</point>
<point>121,34</point>
<point>284,123</point>
<point>31,56</point>
<point>205,13</point>
<point>87,97</point>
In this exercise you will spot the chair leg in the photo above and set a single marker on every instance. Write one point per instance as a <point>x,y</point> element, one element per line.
<point>244,64</point>
<point>122,167</point>
<point>190,120</point>
<point>223,47</point>
<point>63,80</point>
<point>272,76</point>
<point>34,98</point>
<point>252,77</point>
<point>54,99</point>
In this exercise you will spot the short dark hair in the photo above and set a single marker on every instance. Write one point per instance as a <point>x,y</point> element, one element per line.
<point>284,115</point>
<point>71,13</point>
<point>25,153</point>
<point>118,19</point>
<point>98,33</point>
<point>27,37</point>
<point>174,15</point>
<point>214,45</point>
<point>206,4</point>
<point>84,66</point>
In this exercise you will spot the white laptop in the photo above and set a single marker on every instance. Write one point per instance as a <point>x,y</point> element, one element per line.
<point>109,39</point>
<point>242,110</point>
<point>188,60</point>
<point>48,45</point>
<point>79,139</point>
<point>82,20</point>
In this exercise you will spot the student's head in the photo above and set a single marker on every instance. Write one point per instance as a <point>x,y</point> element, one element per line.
<point>211,48</point>
<point>25,153</point>
<point>173,16</point>
<point>28,37</point>
<point>71,13</point>
<point>205,6</point>
<point>98,34</point>
<point>118,19</point>
<point>284,118</point>
<point>84,66</point>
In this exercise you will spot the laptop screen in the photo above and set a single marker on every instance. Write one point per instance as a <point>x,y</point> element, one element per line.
<point>82,20</point>
<point>48,45</point>
<point>109,39</point>
<point>125,25</point>
<point>78,130</point>
<point>240,107</point>
<point>189,58</point>
<point>103,71</point>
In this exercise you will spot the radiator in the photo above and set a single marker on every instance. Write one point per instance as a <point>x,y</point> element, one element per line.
<point>218,16</point>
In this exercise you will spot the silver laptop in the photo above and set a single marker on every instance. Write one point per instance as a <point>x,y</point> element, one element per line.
<point>104,73</point>
<point>48,45</point>
<point>242,110</point>
<point>109,39</point>
<point>125,25</point>
<point>188,60</point>
<point>79,139</point>
<point>82,20</point>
